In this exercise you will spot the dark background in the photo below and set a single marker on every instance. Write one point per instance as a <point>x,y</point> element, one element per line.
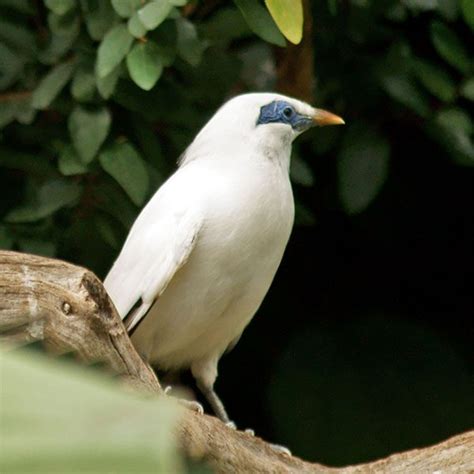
<point>365,338</point>
<point>364,344</point>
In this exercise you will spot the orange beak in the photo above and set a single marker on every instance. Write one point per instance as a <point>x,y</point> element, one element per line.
<point>322,117</point>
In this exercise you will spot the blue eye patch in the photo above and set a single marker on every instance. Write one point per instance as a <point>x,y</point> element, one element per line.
<point>280,111</point>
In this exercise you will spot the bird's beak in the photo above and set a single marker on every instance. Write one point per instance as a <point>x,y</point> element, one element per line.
<point>322,117</point>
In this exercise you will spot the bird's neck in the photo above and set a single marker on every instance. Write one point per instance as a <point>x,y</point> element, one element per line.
<point>276,149</point>
<point>255,149</point>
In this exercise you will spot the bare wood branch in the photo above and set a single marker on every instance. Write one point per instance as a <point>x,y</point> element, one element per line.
<point>67,308</point>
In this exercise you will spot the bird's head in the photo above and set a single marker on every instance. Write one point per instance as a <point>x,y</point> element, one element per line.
<point>261,120</point>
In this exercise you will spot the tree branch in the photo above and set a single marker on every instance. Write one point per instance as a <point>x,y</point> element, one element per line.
<point>67,308</point>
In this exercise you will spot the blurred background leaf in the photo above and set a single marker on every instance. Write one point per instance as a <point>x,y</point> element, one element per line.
<point>79,422</point>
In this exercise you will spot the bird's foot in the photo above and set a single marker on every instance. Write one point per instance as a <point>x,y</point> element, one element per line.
<point>189,404</point>
<point>192,405</point>
<point>231,424</point>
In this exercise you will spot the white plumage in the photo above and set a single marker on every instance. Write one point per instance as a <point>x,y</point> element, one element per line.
<point>202,254</point>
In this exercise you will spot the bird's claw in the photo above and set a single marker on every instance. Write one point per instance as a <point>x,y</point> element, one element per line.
<point>192,405</point>
<point>281,449</point>
<point>231,424</point>
<point>189,404</point>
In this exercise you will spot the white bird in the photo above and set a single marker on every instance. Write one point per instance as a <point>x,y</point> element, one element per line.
<point>202,254</point>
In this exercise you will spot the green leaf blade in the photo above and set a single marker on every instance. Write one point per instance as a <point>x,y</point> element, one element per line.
<point>51,196</point>
<point>51,85</point>
<point>144,64</point>
<point>136,27</point>
<point>260,21</point>
<point>53,408</point>
<point>435,80</point>
<point>467,8</point>
<point>69,163</point>
<point>288,15</point>
<point>450,47</point>
<point>154,13</point>
<point>88,129</point>
<point>125,8</point>
<point>60,7</point>
<point>127,167</point>
<point>113,48</point>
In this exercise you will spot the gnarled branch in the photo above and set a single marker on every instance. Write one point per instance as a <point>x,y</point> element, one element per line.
<point>67,308</point>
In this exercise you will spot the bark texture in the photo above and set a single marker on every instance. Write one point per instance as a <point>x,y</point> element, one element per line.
<point>67,308</point>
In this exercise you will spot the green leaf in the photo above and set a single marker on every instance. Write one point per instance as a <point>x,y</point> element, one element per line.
<point>225,25</point>
<point>454,133</point>
<point>106,85</point>
<point>88,129</point>
<point>449,46</point>
<point>69,163</point>
<point>60,7</point>
<point>260,21</point>
<point>127,167</point>
<point>189,47</point>
<point>18,37</point>
<point>57,48</point>
<point>136,27</point>
<point>178,3</point>
<point>467,7</point>
<point>362,167</point>
<point>99,16</point>
<point>144,64</point>
<point>288,15</point>
<point>449,9</point>
<point>126,8</point>
<point>16,108</point>
<point>154,13</point>
<point>64,418</point>
<point>11,66</point>
<point>421,5</point>
<point>436,80</point>
<point>113,48</point>
<point>456,119</point>
<point>65,26</point>
<point>467,89</point>
<point>51,196</point>
<point>83,84</point>
<point>404,91</point>
<point>51,85</point>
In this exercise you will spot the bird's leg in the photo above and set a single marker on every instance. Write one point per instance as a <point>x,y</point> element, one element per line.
<point>215,402</point>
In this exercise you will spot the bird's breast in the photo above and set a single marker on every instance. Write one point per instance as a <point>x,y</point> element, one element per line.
<point>250,213</point>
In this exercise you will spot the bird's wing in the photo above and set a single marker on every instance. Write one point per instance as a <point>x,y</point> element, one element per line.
<point>157,246</point>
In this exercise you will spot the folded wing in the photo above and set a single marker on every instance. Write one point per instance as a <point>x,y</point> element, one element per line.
<point>158,245</point>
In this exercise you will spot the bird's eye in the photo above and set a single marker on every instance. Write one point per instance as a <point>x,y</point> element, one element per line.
<point>288,112</point>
